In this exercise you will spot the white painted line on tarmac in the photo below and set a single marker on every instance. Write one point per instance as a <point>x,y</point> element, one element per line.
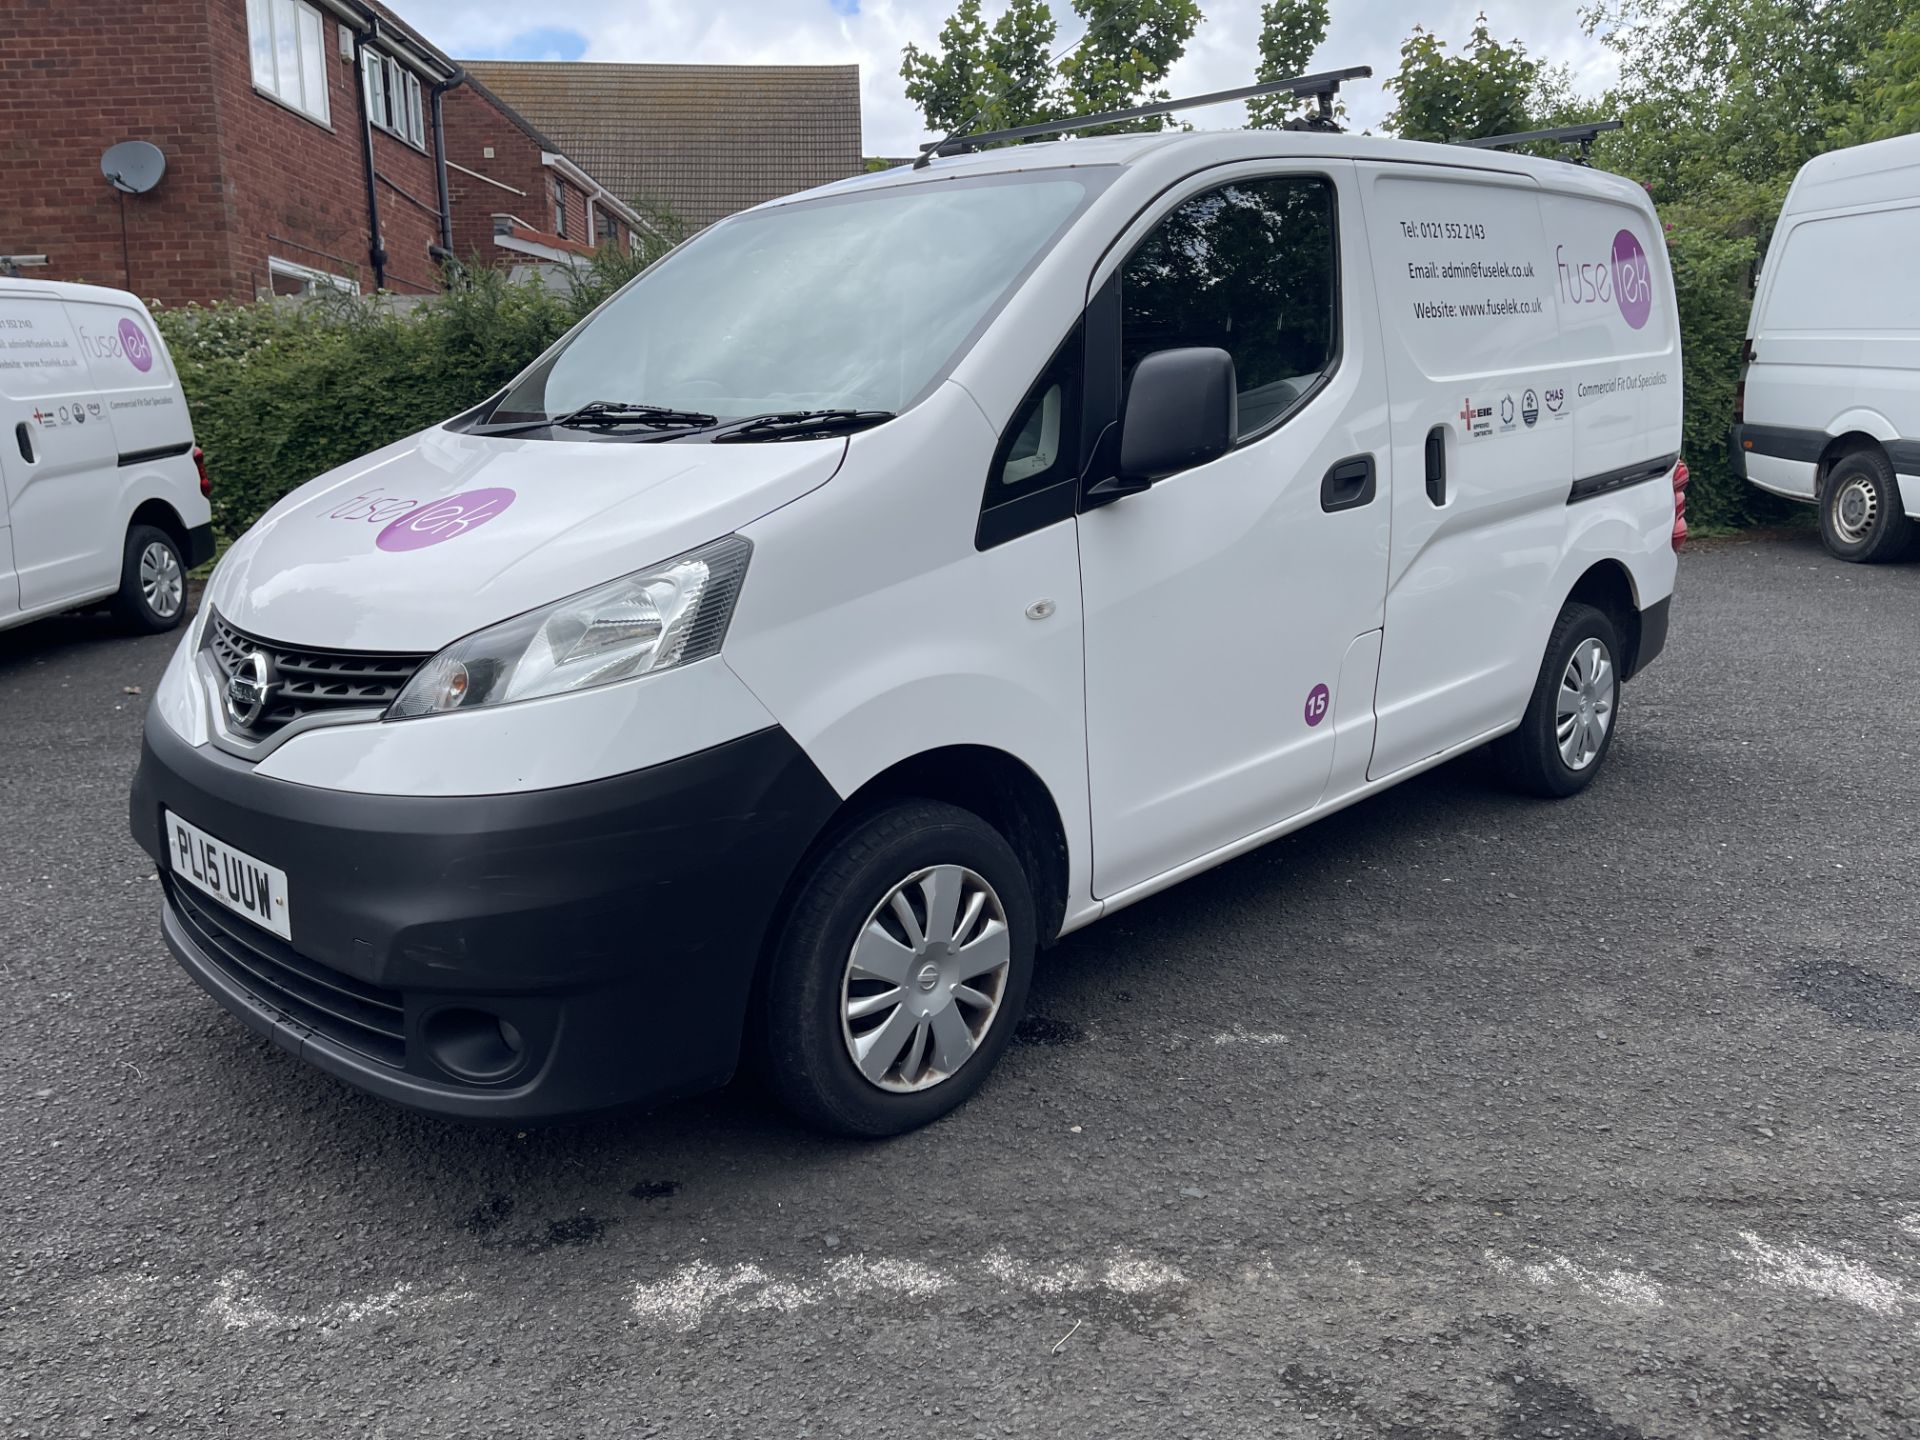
<point>694,1291</point>
<point>1821,1272</point>
<point>236,1306</point>
<point>1631,1288</point>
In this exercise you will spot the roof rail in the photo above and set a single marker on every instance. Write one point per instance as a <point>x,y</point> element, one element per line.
<point>1322,87</point>
<point>1581,135</point>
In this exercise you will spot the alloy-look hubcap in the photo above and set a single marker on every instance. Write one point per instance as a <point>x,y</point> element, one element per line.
<point>1854,511</point>
<point>1584,709</point>
<point>161,581</point>
<point>925,979</point>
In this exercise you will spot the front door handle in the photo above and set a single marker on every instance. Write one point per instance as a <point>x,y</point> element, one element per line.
<point>24,438</point>
<point>1349,484</point>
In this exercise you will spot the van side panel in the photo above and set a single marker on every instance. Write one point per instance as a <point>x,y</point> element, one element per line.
<point>1836,343</point>
<point>873,631</point>
<point>1464,272</point>
<point>56,502</point>
<point>1537,339</point>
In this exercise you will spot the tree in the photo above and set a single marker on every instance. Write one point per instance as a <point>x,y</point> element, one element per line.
<point>983,78</point>
<point>1290,32</point>
<point>1484,90</point>
<point>1129,47</point>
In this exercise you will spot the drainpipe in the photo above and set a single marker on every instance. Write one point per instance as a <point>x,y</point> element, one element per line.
<point>377,246</point>
<point>440,89</point>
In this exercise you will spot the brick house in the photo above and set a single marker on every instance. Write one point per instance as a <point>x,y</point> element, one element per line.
<point>517,200</point>
<point>303,147</point>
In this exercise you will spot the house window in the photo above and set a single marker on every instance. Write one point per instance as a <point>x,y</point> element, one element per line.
<point>290,278</point>
<point>560,208</point>
<point>289,54</point>
<point>393,98</point>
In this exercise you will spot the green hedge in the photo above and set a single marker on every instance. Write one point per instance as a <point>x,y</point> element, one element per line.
<point>281,393</point>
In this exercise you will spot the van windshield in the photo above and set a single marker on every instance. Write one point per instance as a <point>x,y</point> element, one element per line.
<point>859,302</point>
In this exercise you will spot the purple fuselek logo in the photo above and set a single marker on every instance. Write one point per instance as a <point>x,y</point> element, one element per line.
<point>133,344</point>
<point>439,520</point>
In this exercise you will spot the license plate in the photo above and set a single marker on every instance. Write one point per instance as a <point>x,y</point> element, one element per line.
<point>243,884</point>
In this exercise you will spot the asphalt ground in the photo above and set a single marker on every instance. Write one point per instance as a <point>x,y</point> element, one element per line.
<point>1454,1115</point>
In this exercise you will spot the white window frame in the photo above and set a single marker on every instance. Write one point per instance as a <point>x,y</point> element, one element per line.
<point>395,103</point>
<point>272,21</point>
<point>315,280</point>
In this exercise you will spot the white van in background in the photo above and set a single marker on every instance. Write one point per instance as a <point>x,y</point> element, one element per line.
<point>1830,399</point>
<point>902,575</point>
<point>102,493</point>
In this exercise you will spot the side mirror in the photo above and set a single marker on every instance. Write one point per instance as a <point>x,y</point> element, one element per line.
<point>1182,411</point>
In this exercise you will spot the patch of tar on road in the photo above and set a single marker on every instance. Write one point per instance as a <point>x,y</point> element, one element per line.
<point>655,1189</point>
<point>1044,1030</point>
<point>1542,1406</point>
<point>490,1214</point>
<point>1855,995</point>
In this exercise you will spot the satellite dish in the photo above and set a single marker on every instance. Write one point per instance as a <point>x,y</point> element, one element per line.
<point>134,166</point>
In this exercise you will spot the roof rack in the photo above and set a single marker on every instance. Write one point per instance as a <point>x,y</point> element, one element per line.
<point>1581,135</point>
<point>1321,87</point>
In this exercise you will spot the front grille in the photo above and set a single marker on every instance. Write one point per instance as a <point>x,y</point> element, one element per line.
<point>308,680</point>
<point>361,1017</point>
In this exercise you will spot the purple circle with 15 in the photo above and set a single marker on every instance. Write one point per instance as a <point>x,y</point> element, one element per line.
<point>1319,701</point>
<point>133,344</point>
<point>1632,279</point>
<point>434,521</point>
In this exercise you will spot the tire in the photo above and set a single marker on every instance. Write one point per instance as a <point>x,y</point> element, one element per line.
<point>153,582</point>
<point>1860,516</point>
<point>916,850</point>
<point>1537,759</point>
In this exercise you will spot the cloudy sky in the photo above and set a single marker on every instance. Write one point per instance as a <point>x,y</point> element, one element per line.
<point>872,32</point>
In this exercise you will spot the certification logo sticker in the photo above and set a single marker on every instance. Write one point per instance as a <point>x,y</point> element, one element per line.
<point>1530,409</point>
<point>1506,412</point>
<point>1476,420</point>
<point>1556,401</point>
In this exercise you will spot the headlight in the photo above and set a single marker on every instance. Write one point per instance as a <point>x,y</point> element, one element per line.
<point>672,614</point>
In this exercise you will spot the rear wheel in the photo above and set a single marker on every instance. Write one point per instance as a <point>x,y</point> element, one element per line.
<point>901,972</point>
<point>1860,515</point>
<point>153,582</point>
<point>1567,731</point>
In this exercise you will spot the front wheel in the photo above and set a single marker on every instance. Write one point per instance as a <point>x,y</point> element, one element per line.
<point>153,582</point>
<point>1860,515</point>
<point>1564,737</point>
<point>901,972</point>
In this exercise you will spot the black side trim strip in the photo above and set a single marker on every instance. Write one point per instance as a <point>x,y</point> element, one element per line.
<point>158,452</point>
<point>1905,455</point>
<point>1608,481</point>
<point>200,545</point>
<point>1782,442</point>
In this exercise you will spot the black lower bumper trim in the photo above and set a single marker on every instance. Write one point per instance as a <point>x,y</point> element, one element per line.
<point>1653,635</point>
<point>611,929</point>
<point>200,546</point>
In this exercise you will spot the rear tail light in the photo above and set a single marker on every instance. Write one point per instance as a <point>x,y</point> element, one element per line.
<point>1681,476</point>
<point>200,464</point>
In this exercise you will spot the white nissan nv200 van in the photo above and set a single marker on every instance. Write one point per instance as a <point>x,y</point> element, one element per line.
<point>898,577</point>
<point>102,494</point>
<point>1829,407</point>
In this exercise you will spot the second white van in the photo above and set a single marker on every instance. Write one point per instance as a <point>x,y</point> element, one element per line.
<point>899,577</point>
<point>1829,405</point>
<point>103,494</point>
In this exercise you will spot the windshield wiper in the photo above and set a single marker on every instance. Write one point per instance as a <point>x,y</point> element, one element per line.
<point>800,425</point>
<point>609,414</point>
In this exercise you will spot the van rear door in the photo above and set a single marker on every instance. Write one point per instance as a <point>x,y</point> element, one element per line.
<point>61,500</point>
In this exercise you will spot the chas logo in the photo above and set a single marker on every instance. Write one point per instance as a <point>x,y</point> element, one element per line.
<point>1625,278</point>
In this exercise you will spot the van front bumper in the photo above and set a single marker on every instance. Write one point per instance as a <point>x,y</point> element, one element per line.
<point>509,957</point>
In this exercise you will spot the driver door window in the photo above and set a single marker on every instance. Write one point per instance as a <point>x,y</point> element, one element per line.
<point>1248,268</point>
